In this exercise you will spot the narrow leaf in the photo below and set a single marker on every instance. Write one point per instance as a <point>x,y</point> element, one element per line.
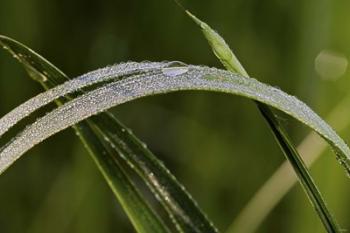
<point>283,179</point>
<point>302,172</point>
<point>182,209</point>
<point>230,61</point>
<point>164,80</point>
<point>143,218</point>
<point>219,46</point>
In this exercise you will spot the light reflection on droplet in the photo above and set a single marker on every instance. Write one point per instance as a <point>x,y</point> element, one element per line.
<point>174,71</point>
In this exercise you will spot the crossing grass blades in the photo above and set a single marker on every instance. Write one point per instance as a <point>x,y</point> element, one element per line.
<point>83,103</point>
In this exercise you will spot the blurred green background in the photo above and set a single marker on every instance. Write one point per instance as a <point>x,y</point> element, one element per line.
<point>218,146</point>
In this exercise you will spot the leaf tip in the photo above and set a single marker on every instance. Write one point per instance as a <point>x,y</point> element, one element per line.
<point>196,20</point>
<point>219,47</point>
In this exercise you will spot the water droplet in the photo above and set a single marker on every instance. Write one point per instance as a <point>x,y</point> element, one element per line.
<point>176,64</point>
<point>174,71</point>
<point>144,145</point>
<point>46,74</point>
<point>43,77</point>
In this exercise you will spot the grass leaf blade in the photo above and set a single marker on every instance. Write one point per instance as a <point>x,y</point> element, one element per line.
<point>143,218</point>
<point>116,138</point>
<point>283,179</point>
<point>170,80</point>
<point>183,210</point>
<point>230,61</point>
<point>301,170</point>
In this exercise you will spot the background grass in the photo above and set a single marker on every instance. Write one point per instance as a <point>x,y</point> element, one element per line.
<point>205,143</point>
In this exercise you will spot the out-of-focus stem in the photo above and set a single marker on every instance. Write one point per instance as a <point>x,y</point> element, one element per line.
<point>284,178</point>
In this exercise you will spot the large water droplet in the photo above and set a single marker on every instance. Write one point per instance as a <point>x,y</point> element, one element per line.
<point>174,71</point>
<point>176,64</point>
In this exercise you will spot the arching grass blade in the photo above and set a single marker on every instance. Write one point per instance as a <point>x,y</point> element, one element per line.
<point>181,208</point>
<point>230,61</point>
<point>143,218</point>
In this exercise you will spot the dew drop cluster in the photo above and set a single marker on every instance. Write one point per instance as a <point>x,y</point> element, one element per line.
<point>132,80</point>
